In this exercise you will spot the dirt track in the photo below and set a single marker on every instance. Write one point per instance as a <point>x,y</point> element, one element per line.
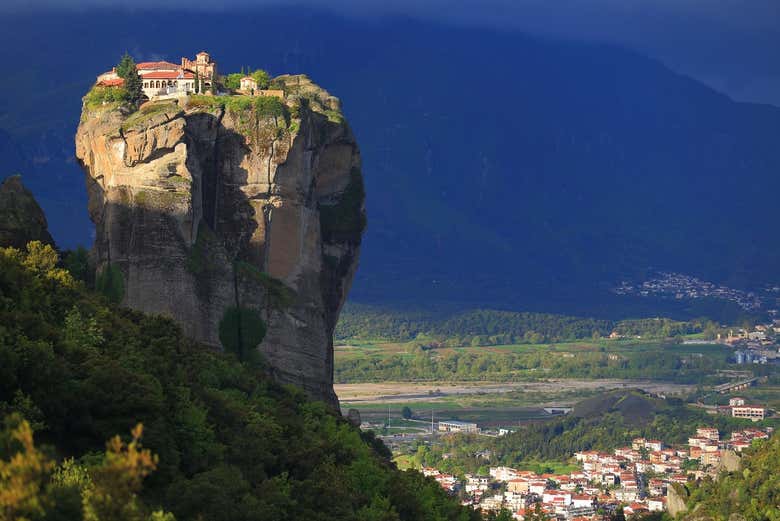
<point>388,392</point>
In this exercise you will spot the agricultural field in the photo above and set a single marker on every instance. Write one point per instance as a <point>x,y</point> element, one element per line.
<point>489,404</point>
<point>379,361</point>
<point>378,348</point>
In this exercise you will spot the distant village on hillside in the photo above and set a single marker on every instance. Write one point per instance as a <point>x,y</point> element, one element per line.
<point>681,286</point>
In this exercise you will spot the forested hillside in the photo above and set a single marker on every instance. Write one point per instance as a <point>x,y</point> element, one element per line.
<point>454,327</point>
<point>658,361</point>
<point>220,441</point>
<point>750,494</point>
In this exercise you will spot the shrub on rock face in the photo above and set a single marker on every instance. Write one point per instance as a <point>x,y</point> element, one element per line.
<point>240,331</point>
<point>110,282</point>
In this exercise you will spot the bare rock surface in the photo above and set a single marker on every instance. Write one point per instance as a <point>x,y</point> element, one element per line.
<point>206,204</point>
<point>21,219</point>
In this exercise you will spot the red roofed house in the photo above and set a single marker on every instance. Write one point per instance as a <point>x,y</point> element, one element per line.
<point>162,77</point>
<point>158,83</point>
<point>656,504</point>
<point>550,497</point>
<point>112,82</point>
<point>582,501</point>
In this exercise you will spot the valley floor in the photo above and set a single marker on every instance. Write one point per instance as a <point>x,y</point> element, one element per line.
<point>394,392</point>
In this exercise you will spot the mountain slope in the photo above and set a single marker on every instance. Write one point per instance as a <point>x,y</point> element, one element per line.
<point>232,444</point>
<point>501,170</point>
<point>751,494</point>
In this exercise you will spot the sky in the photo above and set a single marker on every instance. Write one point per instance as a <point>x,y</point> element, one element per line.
<point>732,45</point>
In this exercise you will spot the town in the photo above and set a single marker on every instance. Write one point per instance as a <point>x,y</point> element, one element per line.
<point>754,345</point>
<point>639,478</point>
<point>681,286</point>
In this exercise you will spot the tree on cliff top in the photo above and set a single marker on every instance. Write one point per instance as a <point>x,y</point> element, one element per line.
<point>128,71</point>
<point>262,78</point>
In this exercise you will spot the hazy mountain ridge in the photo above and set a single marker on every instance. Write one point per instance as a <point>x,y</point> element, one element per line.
<point>532,184</point>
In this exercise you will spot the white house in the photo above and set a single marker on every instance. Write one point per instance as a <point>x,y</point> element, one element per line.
<point>556,496</point>
<point>581,501</point>
<point>248,84</point>
<point>656,504</point>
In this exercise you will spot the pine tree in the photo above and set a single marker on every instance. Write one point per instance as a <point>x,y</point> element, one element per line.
<point>128,71</point>
<point>134,87</point>
<point>126,65</point>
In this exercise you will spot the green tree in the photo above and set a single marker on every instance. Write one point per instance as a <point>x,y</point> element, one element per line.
<point>262,78</point>
<point>116,483</point>
<point>41,257</point>
<point>128,71</point>
<point>111,283</point>
<point>406,412</point>
<point>22,475</point>
<point>77,263</point>
<point>241,330</point>
<point>233,81</point>
<point>82,334</point>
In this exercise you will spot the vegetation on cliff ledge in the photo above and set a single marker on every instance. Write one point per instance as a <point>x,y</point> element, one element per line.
<point>148,111</point>
<point>262,106</point>
<point>231,443</point>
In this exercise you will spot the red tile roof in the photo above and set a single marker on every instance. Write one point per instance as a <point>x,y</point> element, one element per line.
<point>115,82</point>
<point>163,65</point>
<point>167,75</point>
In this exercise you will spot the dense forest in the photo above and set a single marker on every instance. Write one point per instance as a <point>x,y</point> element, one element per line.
<point>600,423</point>
<point>434,365</point>
<point>491,327</point>
<point>212,438</point>
<point>750,494</point>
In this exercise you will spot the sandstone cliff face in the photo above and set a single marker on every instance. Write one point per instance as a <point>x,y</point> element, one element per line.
<point>21,219</point>
<point>208,204</point>
<point>676,497</point>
